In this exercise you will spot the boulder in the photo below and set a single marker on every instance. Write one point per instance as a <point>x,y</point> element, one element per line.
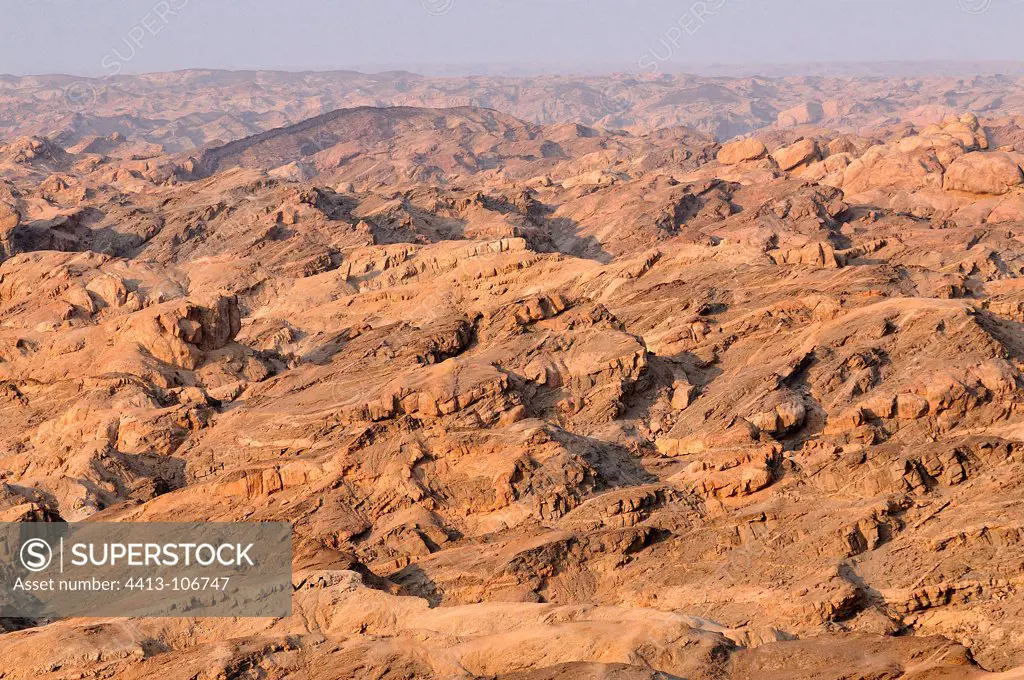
<point>945,147</point>
<point>801,153</point>
<point>829,171</point>
<point>844,144</point>
<point>109,289</point>
<point>9,217</point>
<point>741,150</point>
<point>884,167</point>
<point>179,332</point>
<point>216,320</point>
<point>804,114</point>
<point>983,173</point>
<point>682,394</point>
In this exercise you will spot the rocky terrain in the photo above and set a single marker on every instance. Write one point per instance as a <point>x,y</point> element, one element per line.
<point>544,392</point>
<point>175,112</point>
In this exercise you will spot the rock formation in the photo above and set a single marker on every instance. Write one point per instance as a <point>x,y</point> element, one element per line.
<point>545,399</point>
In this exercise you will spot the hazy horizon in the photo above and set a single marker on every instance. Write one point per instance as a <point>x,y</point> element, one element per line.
<point>102,38</point>
<point>908,68</point>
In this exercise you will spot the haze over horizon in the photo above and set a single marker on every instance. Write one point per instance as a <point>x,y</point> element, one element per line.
<point>102,38</point>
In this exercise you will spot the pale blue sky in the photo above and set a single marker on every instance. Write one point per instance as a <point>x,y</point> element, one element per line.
<point>96,37</point>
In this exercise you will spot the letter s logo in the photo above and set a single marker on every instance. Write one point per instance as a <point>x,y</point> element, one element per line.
<point>36,554</point>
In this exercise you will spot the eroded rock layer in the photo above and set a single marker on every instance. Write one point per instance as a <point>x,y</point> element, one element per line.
<point>540,401</point>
